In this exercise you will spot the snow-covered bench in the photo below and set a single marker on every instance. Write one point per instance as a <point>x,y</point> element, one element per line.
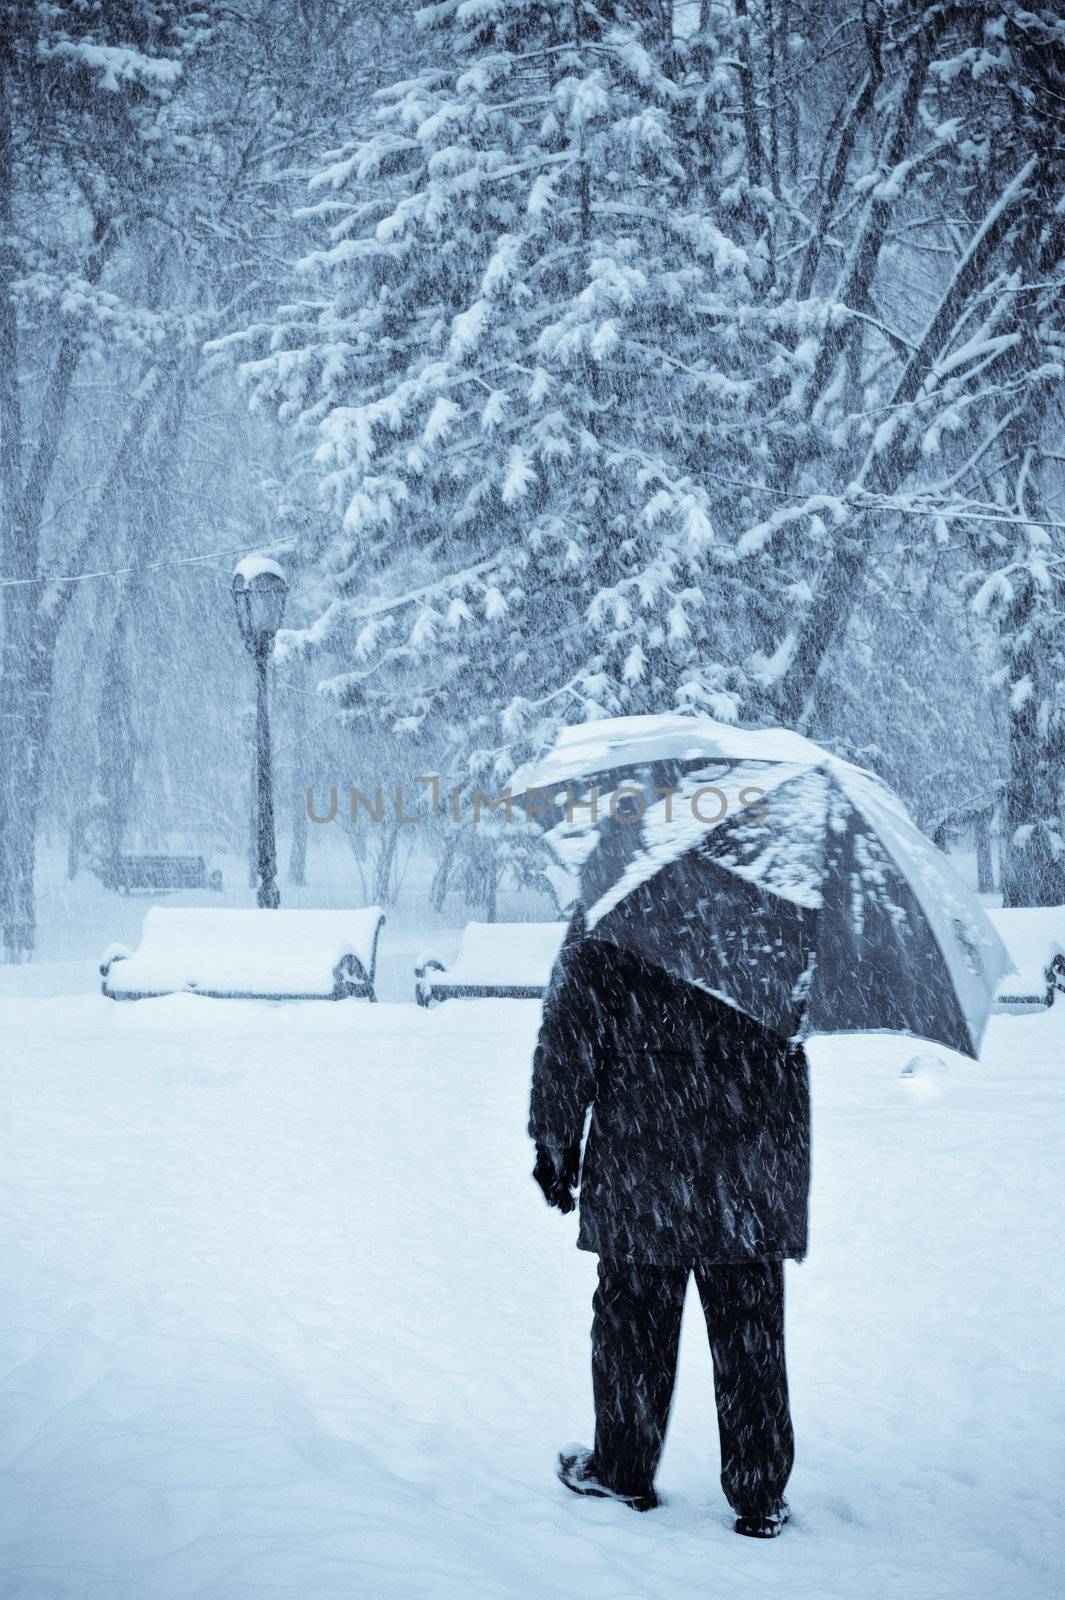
<point>127,874</point>
<point>1035,939</point>
<point>504,960</point>
<point>248,955</point>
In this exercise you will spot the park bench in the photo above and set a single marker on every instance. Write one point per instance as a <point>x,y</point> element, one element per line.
<point>248,955</point>
<point>501,960</point>
<point>161,874</point>
<point>1034,936</point>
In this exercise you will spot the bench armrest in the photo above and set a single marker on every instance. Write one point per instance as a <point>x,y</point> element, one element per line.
<point>113,953</point>
<point>1055,976</point>
<point>428,962</point>
<point>423,984</point>
<point>350,977</point>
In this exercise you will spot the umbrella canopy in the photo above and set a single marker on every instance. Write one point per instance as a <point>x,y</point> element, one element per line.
<point>756,865</point>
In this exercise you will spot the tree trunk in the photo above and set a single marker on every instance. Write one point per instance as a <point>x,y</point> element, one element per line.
<point>25,712</point>
<point>856,287</point>
<point>442,875</point>
<point>115,741</point>
<point>34,614</point>
<point>30,622</point>
<point>297,855</point>
<point>297,777</point>
<point>1032,874</point>
<point>773,93</point>
<point>985,867</point>
<point>383,872</point>
<point>750,119</point>
<point>856,113</point>
<point>1033,870</point>
<point>253,815</point>
<point>16,860</point>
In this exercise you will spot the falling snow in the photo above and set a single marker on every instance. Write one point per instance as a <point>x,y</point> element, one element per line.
<point>650,416</point>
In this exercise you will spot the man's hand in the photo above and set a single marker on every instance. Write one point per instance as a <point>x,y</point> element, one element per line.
<point>558,1174</point>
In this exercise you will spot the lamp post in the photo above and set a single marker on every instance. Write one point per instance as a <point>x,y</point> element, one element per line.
<point>259,590</point>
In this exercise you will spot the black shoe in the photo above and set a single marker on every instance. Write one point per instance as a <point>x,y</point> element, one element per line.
<point>768,1525</point>
<point>577,1471</point>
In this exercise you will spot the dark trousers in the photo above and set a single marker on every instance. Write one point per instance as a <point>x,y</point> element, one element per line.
<point>635,1338</point>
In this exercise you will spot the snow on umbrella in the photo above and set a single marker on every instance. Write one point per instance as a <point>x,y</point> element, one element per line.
<point>756,865</point>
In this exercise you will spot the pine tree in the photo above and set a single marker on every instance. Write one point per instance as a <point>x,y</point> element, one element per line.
<point>529,351</point>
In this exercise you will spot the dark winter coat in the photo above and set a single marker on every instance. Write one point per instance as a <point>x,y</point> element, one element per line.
<point>699,1144</point>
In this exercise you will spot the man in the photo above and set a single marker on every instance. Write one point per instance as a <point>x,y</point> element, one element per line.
<point>697,1159</point>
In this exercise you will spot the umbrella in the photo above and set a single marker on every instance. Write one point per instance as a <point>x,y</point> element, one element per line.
<point>758,866</point>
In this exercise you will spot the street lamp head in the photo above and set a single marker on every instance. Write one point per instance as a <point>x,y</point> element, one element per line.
<point>259,590</point>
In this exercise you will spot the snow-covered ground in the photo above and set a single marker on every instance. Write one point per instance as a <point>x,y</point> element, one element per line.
<point>283,1316</point>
